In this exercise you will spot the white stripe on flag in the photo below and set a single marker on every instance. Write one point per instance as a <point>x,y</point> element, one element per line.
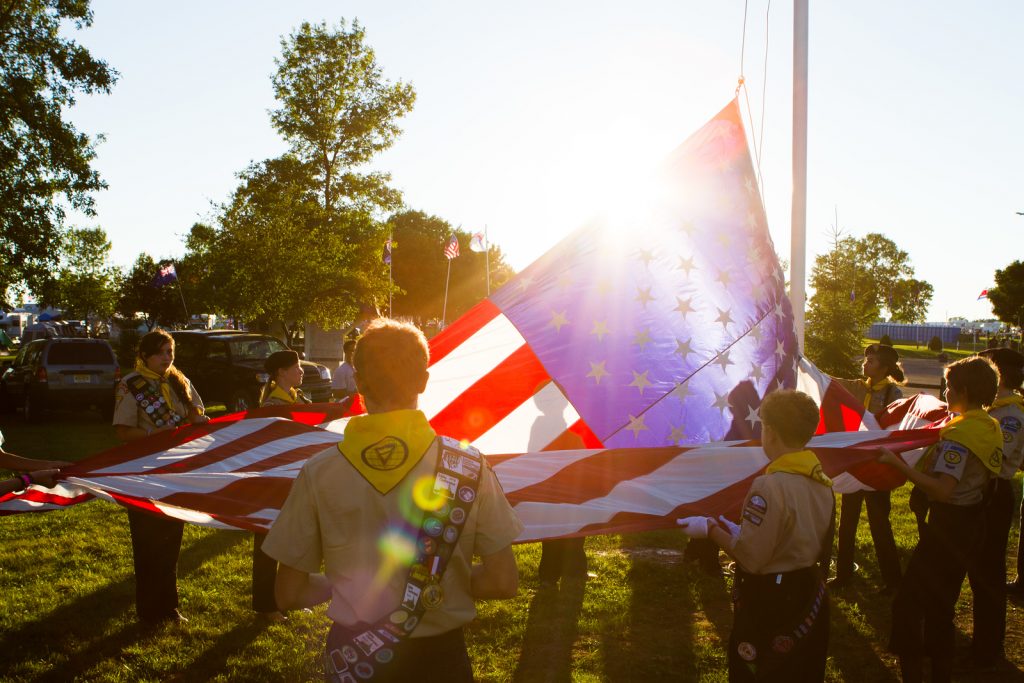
<point>526,428</point>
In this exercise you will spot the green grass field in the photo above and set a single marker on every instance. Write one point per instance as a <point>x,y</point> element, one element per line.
<point>66,605</point>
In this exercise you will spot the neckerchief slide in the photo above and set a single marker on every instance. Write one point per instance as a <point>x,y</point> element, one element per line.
<point>155,406</point>
<point>456,479</point>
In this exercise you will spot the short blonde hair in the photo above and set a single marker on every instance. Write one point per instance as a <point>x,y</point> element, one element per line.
<point>793,415</point>
<point>390,360</point>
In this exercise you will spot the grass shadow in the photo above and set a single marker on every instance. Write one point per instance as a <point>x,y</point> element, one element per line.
<point>552,627</point>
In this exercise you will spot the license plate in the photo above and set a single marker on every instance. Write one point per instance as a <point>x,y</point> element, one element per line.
<point>82,379</point>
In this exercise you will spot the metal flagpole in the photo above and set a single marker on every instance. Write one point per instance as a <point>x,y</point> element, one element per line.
<point>487,258</point>
<point>444,311</point>
<point>391,284</point>
<point>798,246</point>
<point>188,318</point>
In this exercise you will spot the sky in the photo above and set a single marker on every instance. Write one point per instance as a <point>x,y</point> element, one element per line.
<point>530,114</point>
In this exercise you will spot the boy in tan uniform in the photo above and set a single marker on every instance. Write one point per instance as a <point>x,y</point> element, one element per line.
<point>780,630</point>
<point>376,512</point>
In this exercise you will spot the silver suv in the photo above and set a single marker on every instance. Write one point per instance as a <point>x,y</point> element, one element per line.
<point>60,373</point>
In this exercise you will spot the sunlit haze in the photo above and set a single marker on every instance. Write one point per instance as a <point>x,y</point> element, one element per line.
<point>530,116</point>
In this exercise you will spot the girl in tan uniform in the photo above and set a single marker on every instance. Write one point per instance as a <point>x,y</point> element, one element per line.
<point>155,397</point>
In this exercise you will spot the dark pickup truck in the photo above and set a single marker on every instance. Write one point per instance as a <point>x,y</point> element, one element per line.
<point>227,367</point>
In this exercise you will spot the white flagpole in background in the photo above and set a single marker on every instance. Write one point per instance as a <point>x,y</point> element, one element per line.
<point>444,311</point>
<point>487,258</point>
<point>391,283</point>
<point>798,244</point>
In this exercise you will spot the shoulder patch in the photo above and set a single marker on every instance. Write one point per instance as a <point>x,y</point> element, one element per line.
<point>953,453</point>
<point>1010,426</point>
<point>752,517</point>
<point>758,504</point>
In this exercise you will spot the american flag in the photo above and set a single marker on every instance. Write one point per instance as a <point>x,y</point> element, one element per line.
<point>451,250</point>
<point>164,275</point>
<point>620,379</point>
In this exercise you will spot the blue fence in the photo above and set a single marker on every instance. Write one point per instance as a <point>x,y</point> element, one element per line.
<point>949,334</point>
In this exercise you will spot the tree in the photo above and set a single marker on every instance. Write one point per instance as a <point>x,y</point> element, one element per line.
<point>158,305</point>
<point>275,257</point>
<point>337,112</point>
<point>86,283</point>
<point>45,163</point>
<point>419,268</point>
<point>1007,296</point>
<point>852,283</point>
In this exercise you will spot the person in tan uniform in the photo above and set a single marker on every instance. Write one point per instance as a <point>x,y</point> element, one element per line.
<point>780,603</point>
<point>285,374</point>
<point>156,397</point>
<point>384,526</point>
<point>954,474</point>
<point>880,386</point>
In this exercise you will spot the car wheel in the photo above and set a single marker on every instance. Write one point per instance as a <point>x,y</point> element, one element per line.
<point>241,401</point>
<point>33,408</point>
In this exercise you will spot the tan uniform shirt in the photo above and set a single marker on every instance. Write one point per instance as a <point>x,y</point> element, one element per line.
<point>785,518</point>
<point>881,399</point>
<point>1011,421</point>
<point>278,401</point>
<point>365,540</point>
<point>129,413</point>
<point>956,460</point>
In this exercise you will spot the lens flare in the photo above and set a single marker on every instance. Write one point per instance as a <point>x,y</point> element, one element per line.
<point>397,546</point>
<point>424,495</point>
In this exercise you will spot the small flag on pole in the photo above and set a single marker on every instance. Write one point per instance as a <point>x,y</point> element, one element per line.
<point>983,295</point>
<point>478,242</point>
<point>165,275</point>
<point>451,250</point>
<point>388,246</point>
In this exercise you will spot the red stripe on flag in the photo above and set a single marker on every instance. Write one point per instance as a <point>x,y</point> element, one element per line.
<point>513,382</point>
<point>577,436</point>
<point>239,498</point>
<point>462,329</point>
<point>595,476</point>
<point>156,443</point>
<point>286,458</point>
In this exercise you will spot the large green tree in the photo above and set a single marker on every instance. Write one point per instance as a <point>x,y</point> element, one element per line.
<point>853,282</point>
<point>1007,296</point>
<point>420,268</point>
<point>45,163</point>
<point>337,112</point>
<point>86,284</point>
<point>275,257</point>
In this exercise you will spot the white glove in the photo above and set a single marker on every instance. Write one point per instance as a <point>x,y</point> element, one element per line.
<point>733,529</point>
<point>694,527</point>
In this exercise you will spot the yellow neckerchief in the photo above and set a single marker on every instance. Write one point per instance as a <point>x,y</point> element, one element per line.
<point>800,462</point>
<point>873,388</point>
<point>290,396</point>
<point>384,447</point>
<point>980,433</point>
<point>1012,399</point>
<point>165,386</point>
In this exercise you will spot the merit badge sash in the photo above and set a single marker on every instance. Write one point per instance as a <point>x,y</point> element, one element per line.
<point>356,653</point>
<point>156,405</point>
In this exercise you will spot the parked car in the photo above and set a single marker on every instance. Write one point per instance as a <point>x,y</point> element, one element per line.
<point>60,373</point>
<point>226,366</point>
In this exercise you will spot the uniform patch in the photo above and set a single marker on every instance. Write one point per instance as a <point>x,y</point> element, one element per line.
<point>758,504</point>
<point>782,644</point>
<point>953,454</point>
<point>747,651</point>
<point>752,517</point>
<point>1010,426</point>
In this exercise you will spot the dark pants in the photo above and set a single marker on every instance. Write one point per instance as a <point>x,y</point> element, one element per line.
<point>987,574</point>
<point>562,558</point>
<point>879,505</point>
<point>156,542</point>
<point>264,574</point>
<point>1020,544</point>
<point>925,604</point>
<point>434,659</point>
<point>767,644</point>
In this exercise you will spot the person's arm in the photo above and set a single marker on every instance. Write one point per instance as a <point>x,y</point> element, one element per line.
<point>497,577</point>
<point>295,589</point>
<point>23,481</point>
<point>10,461</point>
<point>936,485</point>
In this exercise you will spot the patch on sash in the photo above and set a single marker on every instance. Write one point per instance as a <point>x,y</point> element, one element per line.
<point>783,644</point>
<point>387,454</point>
<point>953,454</point>
<point>460,463</point>
<point>758,504</point>
<point>752,517</point>
<point>747,651</point>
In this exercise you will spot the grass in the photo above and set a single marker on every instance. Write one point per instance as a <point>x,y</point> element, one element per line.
<point>922,350</point>
<point>67,606</point>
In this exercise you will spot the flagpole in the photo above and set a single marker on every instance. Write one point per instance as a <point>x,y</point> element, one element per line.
<point>444,311</point>
<point>487,259</point>
<point>391,285</point>
<point>188,318</point>
<point>798,244</point>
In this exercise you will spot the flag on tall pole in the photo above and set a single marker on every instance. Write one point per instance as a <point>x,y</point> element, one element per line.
<point>386,258</point>
<point>389,244</point>
<point>983,295</point>
<point>478,242</point>
<point>165,275</point>
<point>451,250</point>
